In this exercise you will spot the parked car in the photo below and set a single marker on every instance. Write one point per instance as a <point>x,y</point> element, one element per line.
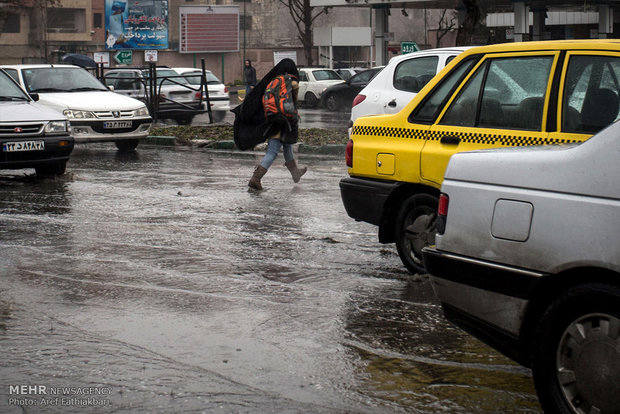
<point>346,73</point>
<point>399,82</point>
<point>96,114</point>
<point>341,95</point>
<point>512,94</point>
<point>178,99</point>
<point>312,83</point>
<point>528,260</point>
<point>218,92</point>
<point>31,135</point>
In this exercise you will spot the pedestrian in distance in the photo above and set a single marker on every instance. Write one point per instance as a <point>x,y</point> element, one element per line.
<point>253,124</point>
<point>249,77</point>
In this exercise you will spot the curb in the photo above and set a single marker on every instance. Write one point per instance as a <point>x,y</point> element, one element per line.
<point>329,149</point>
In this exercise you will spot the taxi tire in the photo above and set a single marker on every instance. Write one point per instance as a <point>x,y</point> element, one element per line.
<point>420,210</point>
<point>585,311</point>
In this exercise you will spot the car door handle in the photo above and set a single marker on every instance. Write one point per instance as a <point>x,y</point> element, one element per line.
<point>450,140</point>
<point>392,103</point>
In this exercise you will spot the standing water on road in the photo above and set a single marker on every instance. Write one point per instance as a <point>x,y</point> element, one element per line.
<point>158,283</point>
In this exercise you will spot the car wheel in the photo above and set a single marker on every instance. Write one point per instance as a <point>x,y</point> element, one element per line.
<point>576,352</point>
<point>58,168</point>
<point>186,120</point>
<point>126,145</point>
<point>415,229</point>
<point>310,100</point>
<point>331,102</point>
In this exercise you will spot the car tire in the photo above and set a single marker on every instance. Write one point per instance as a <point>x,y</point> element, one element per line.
<point>127,145</point>
<point>50,170</point>
<point>576,351</point>
<point>186,120</point>
<point>310,100</point>
<point>331,102</point>
<point>415,229</point>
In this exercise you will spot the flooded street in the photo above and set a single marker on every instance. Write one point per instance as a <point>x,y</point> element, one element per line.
<point>156,282</point>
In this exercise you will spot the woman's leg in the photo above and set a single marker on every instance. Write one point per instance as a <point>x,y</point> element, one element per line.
<point>287,149</point>
<point>273,147</point>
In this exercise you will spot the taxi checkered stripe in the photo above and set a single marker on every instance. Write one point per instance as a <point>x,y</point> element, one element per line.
<point>469,137</point>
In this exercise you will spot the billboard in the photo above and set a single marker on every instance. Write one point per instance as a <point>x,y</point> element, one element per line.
<point>204,29</point>
<point>136,24</point>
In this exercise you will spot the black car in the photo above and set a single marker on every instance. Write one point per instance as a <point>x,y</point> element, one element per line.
<point>341,95</point>
<point>31,135</point>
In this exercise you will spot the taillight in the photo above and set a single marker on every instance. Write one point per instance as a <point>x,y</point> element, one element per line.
<point>442,213</point>
<point>358,99</point>
<point>225,89</point>
<point>198,95</point>
<point>348,155</point>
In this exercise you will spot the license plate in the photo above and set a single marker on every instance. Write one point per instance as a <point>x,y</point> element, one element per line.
<point>23,146</point>
<point>117,124</point>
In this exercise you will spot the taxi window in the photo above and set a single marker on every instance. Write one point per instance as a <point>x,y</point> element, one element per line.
<point>503,95</point>
<point>413,74</point>
<point>591,93</point>
<point>303,77</point>
<point>431,106</point>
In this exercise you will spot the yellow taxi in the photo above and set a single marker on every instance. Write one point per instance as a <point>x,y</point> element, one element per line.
<point>505,95</point>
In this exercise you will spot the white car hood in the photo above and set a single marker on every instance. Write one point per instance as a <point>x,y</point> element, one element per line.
<point>89,101</point>
<point>28,112</point>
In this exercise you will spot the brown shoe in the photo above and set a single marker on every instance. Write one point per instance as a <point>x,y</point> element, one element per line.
<point>259,172</point>
<point>296,173</point>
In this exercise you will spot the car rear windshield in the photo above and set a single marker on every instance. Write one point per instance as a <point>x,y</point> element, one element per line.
<point>325,75</point>
<point>60,79</point>
<point>194,78</point>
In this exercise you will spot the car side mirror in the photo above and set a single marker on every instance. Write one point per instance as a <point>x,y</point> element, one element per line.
<point>34,96</point>
<point>111,88</point>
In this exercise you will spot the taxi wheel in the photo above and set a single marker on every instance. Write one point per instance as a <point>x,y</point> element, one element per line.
<point>310,100</point>
<point>415,229</point>
<point>331,102</point>
<point>127,144</point>
<point>576,352</point>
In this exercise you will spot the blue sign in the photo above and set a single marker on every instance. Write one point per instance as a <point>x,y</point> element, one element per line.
<point>136,24</point>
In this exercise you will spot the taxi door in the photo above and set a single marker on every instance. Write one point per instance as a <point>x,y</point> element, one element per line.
<point>589,94</point>
<point>503,101</point>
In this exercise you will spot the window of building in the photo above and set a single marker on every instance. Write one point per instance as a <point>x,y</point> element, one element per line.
<point>65,20</point>
<point>97,21</point>
<point>10,24</point>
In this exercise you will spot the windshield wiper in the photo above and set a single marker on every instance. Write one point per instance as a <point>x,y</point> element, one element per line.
<point>48,90</point>
<point>86,88</point>
<point>13,98</point>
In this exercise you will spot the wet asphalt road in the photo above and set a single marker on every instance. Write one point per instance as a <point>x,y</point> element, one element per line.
<point>161,284</point>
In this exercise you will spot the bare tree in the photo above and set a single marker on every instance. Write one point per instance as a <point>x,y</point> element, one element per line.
<point>304,16</point>
<point>445,26</point>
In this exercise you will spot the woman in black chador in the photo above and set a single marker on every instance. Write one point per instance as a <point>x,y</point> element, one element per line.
<point>251,127</point>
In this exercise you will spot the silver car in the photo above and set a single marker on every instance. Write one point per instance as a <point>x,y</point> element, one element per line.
<point>527,258</point>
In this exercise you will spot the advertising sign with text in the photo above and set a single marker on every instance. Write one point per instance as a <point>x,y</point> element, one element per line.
<point>136,24</point>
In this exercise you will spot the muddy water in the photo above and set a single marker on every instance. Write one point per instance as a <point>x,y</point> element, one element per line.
<point>160,284</point>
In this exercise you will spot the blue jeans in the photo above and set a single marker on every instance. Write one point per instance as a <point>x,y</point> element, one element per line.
<point>273,147</point>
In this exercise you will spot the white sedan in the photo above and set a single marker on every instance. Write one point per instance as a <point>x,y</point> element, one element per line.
<point>313,82</point>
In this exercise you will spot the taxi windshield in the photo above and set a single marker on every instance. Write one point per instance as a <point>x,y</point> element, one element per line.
<point>60,79</point>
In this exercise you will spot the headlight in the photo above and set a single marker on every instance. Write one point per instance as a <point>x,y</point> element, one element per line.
<point>55,127</point>
<point>75,114</point>
<point>141,111</point>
